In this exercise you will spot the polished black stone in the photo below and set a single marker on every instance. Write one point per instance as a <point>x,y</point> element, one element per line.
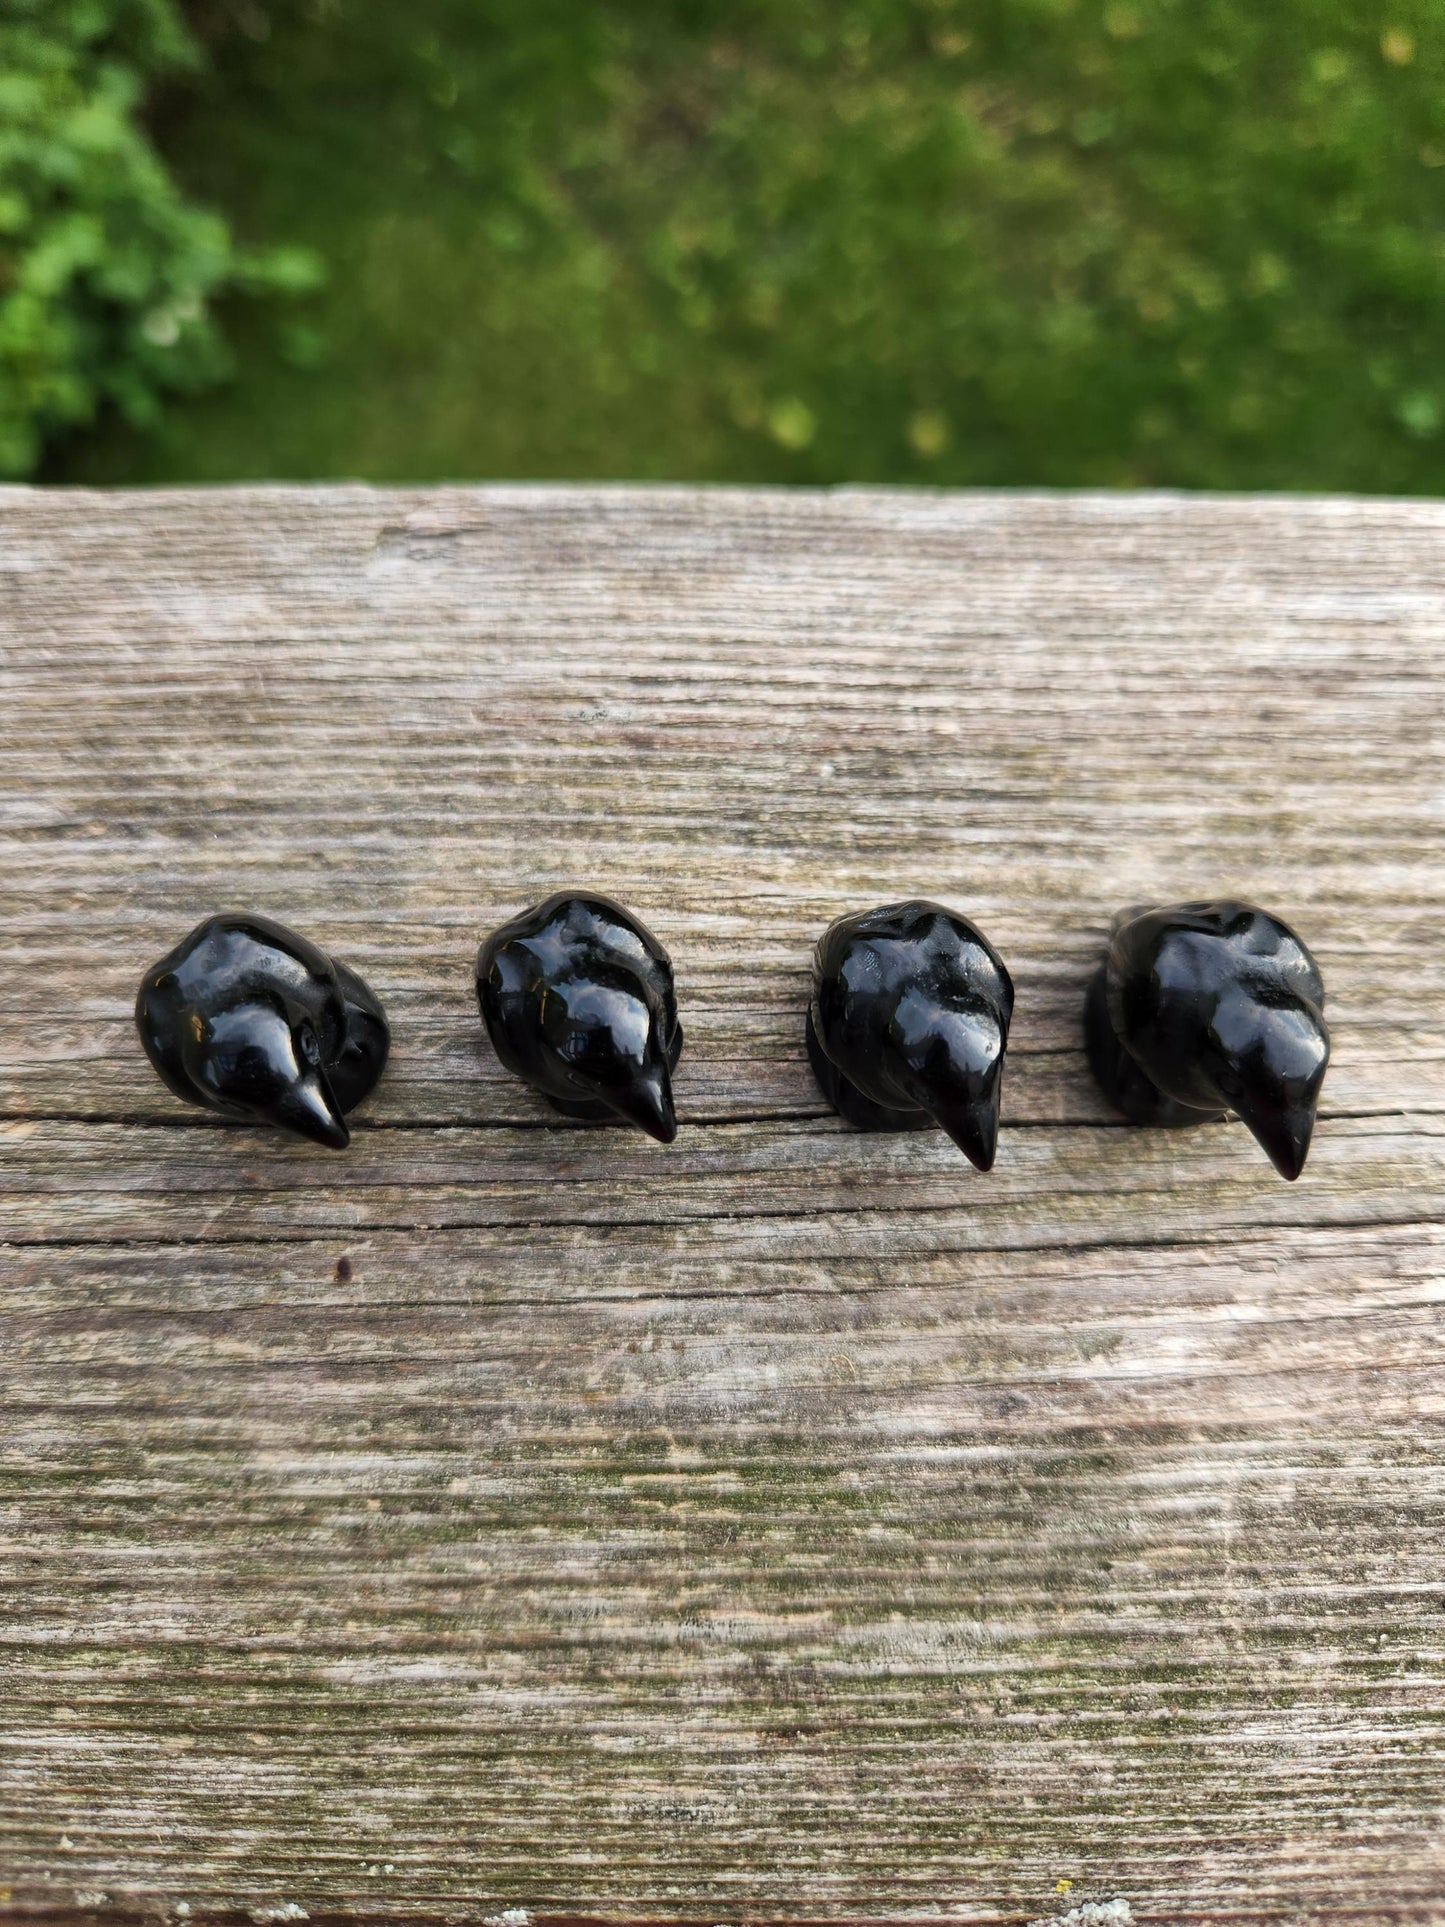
<point>248,1019</point>
<point>908,1024</point>
<point>1203,1008</point>
<point>577,998</point>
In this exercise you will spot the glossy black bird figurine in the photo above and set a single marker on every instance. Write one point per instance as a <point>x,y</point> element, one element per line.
<point>909,1022</point>
<point>1203,1008</point>
<point>248,1019</point>
<point>577,998</point>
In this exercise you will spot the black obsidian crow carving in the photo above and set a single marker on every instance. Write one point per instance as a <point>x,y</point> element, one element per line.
<point>1203,1008</point>
<point>577,998</point>
<point>248,1019</point>
<point>909,1022</point>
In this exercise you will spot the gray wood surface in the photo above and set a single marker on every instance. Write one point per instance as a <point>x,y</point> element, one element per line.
<point>789,1523</point>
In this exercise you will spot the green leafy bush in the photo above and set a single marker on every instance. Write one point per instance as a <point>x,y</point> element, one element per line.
<point>107,275</point>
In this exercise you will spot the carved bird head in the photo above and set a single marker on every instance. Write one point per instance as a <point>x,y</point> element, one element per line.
<point>245,1017</point>
<point>1222,1006</point>
<point>577,997</point>
<point>911,1008</point>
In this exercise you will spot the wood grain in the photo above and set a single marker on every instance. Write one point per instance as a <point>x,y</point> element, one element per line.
<point>790,1524</point>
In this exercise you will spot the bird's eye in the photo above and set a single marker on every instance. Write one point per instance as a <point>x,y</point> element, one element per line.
<point>308,1050</point>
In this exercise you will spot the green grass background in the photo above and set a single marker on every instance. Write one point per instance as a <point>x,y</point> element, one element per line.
<point>1118,242</point>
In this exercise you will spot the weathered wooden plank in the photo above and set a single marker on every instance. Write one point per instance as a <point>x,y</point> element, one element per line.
<point>787,1524</point>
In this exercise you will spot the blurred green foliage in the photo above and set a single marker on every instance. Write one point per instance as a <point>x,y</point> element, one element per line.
<point>107,275</point>
<point>1192,242</point>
